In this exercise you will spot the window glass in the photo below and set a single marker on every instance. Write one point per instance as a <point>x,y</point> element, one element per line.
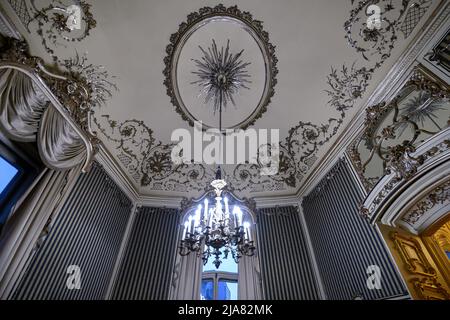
<point>227,290</point>
<point>220,283</point>
<point>8,172</point>
<point>207,290</point>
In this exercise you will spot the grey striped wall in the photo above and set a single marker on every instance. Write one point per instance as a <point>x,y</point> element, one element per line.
<point>286,267</point>
<point>87,232</point>
<point>344,243</point>
<point>148,261</point>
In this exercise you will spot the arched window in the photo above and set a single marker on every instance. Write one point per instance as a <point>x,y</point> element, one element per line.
<point>226,276</point>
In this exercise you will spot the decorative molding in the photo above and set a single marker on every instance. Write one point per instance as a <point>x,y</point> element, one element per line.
<point>416,262</point>
<point>414,13</point>
<point>434,154</point>
<point>430,289</point>
<point>384,90</point>
<point>439,54</point>
<point>412,255</point>
<point>51,23</point>
<point>21,9</point>
<point>298,161</point>
<point>298,152</point>
<point>382,38</point>
<point>178,38</point>
<point>398,158</point>
<point>7,28</point>
<point>66,95</point>
<point>440,196</point>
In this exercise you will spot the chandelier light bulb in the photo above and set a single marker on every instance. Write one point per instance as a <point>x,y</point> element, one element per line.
<point>197,216</point>
<point>211,217</point>
<point>191,226</point>
<point>247,230</point>
<point>186,225</point>
<point>227,209</point>
<point>238,213</point>
<point>205,212</point>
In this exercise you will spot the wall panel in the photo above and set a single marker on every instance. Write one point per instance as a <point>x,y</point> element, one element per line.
<point>286,267</point>
<point>149,257</point>
<point>344,243</point>
<point>87,233</point>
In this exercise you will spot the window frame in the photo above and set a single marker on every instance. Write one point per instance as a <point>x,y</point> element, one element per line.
<point>217,276</point>
<point>28,170</point>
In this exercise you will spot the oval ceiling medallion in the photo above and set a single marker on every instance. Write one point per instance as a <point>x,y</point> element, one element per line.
<point>220,59</point>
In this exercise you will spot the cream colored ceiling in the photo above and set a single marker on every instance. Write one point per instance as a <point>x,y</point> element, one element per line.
<point>130,41</point>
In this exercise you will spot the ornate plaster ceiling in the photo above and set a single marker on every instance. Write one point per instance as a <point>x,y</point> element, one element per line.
<point>325,61</point>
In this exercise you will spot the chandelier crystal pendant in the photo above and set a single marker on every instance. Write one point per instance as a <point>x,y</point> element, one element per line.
<point>213,231</point>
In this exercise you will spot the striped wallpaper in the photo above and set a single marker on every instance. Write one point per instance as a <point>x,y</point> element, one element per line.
<point>147,265</point>
<point>344,243</point>
<point>286,267</point>
<point>88,233</point>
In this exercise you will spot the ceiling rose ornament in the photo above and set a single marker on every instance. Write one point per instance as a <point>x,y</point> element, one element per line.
<point>221,21</point>
<point>221,75</point>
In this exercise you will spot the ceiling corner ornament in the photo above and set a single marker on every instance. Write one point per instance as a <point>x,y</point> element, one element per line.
<point>58,24</point>
<point>54,23</point>
<point>194,21</point>
<point>379,42</point>
<point>80,86</point>
<point>401,137</point>
<point>393,130</point>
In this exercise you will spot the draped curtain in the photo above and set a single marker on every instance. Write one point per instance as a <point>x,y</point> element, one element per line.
<point>249,278</point>
<point>26,222</point>
<point>187,278</point>
<point>27,115</point>
<point>86,231</point>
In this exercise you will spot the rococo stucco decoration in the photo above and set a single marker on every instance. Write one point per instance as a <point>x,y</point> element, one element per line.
<point>440,196</point>
<point>393,131</point>
<point>378,43</point>
<point>204,15</point>
<point>147,159</point>
<point>59,119</point>
<point>51,22</point>
<point>298,151</point>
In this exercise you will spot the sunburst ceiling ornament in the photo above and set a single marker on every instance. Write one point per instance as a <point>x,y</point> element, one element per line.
<point>221,74</point>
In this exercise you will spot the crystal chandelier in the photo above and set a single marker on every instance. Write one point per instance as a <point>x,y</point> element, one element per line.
<point>216,230</point>
<point>213,231</point>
